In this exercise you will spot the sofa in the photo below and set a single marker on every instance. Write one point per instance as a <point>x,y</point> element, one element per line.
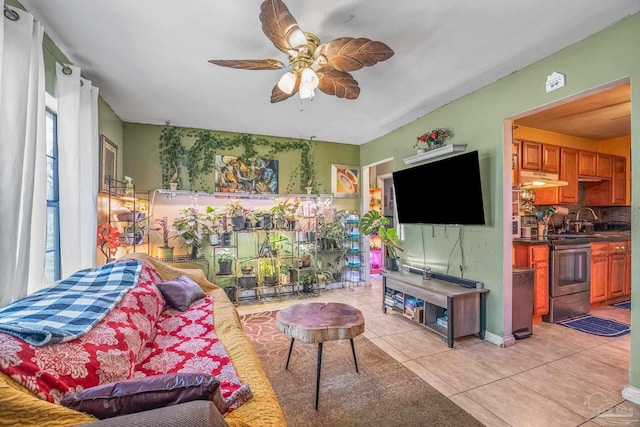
<point>248,398</point>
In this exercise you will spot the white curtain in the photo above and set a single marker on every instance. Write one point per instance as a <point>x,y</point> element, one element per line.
<point>78,142</point>
<point>22,156</point>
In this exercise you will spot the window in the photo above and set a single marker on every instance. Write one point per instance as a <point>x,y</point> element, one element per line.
<point>52,255</point>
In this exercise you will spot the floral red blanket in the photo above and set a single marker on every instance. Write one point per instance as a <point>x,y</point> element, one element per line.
<point>138,338</point>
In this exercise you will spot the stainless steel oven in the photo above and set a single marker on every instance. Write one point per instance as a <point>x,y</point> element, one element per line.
<point>569,278</point>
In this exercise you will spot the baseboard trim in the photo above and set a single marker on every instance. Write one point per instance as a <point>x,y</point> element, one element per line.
<point>631,393</point>
<point>495,339</point>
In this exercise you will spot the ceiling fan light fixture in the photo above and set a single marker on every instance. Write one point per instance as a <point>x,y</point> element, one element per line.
<point>306,92</point>
<point>309,78</point>
<point>311,61</point>
<point>297,38</point>
<point>287,82</point>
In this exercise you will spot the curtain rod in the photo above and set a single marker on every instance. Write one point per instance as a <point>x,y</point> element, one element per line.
<point>10,14</point>
<point>66,70</point>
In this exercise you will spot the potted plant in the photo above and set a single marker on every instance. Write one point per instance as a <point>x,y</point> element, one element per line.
<point>235,211</point>
<point>278,211</point>
<point>225,262</point>
<point>264,219</point>
<point>252,218</point>
<point>322,272</point>
<point>285,273</point>
<point>291,210</point>
<point>165,251</point>
<point>134,232</point>
<point>108,240</point>
<point>213,219</point>
<point>304,257</point>
<point>306,280</point>
<point>192,227</point>
<point>248,279</point>
<point>245,267</point>
<point>373,222</point>
<point>432,139</point>
<point>268,272</point>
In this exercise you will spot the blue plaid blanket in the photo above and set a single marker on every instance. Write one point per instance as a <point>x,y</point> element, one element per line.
<point>71,307</point>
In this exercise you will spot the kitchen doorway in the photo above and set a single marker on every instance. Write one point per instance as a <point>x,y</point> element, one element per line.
<point>598,120</point>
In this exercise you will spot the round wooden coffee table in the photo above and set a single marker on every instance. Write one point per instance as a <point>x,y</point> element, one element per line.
<point>317,322</point>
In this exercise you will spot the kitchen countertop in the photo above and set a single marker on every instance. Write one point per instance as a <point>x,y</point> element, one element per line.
<point>600,236</point>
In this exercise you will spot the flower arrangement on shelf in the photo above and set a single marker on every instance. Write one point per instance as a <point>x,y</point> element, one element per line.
<point>432,138</point>
<point>108,240</point>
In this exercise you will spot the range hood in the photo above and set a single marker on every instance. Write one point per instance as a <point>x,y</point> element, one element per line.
<point>535,179</point>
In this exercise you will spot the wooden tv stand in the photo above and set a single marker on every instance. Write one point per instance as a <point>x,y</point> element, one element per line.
<point>465,306</point>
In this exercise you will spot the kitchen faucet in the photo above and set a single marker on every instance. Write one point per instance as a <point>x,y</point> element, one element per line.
<point>586,208</point>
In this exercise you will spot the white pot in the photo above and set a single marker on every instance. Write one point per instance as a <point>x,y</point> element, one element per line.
<point>214,239</point>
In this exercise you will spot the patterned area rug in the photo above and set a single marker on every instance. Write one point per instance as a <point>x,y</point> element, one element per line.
<point>623,304</point>
<point>597,326</point>
<point>384,393</point>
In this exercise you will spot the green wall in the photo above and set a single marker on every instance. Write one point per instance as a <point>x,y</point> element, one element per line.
<point>141,160</point>
<point>478,120</point>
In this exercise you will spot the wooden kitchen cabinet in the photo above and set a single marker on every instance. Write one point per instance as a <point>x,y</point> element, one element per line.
<point>536,257</point>
<point>619,269</point>
<point>540,157</point>
<point>587,163</point>
<point>609,192</point>
<point>546,196</point>
<point>610,272</point>
<point>568,172</point>
<point>619,181</point>
<point>599,272</point>
<point>550,158</point>
<point>604,165</point>
<point>531,155</point>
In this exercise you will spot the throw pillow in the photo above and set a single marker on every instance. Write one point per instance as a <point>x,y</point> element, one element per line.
<point>145,393</point>
<point>181,292</point>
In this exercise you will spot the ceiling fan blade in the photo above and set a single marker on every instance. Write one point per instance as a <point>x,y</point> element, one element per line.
<point>350,54</point>
<point>280,26</point>
<point>338,83</point>
<point>249,64</point>
<point>277,95</point>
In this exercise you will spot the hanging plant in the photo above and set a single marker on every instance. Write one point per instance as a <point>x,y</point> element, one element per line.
<point>172,153</point>
<point>199,160</point>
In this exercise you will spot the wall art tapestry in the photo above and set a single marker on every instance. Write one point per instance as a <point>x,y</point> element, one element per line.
<point>240,175</point>
<point>345,180</point>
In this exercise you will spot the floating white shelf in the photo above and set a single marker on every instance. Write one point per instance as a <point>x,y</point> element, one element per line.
<point>435,153</point>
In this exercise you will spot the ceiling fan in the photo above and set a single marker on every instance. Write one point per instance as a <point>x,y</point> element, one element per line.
<point>324,66</point>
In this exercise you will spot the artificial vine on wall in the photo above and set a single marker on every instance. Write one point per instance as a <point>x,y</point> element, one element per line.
<point>199,160</point>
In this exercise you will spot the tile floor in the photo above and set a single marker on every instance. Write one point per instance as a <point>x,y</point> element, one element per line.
<point>557,377</point>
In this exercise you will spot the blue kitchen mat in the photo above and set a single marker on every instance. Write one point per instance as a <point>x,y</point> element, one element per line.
<point>623,304</point>
<point>597,326</point>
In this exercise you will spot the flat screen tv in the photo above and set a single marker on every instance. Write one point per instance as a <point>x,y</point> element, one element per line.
<point>446,192</point>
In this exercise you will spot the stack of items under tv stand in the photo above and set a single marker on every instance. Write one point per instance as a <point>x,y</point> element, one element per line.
<point>460,301</point>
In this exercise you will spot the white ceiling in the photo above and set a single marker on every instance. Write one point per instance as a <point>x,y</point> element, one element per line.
<point>149,57</point>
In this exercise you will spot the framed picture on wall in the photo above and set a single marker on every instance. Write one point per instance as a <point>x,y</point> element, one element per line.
<point>240,175</point>
<point>108,162</point>
<point>345,181</point>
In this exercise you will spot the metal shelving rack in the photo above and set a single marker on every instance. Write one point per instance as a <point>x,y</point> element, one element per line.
<point>353,270</point>
<point>121,194</point>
